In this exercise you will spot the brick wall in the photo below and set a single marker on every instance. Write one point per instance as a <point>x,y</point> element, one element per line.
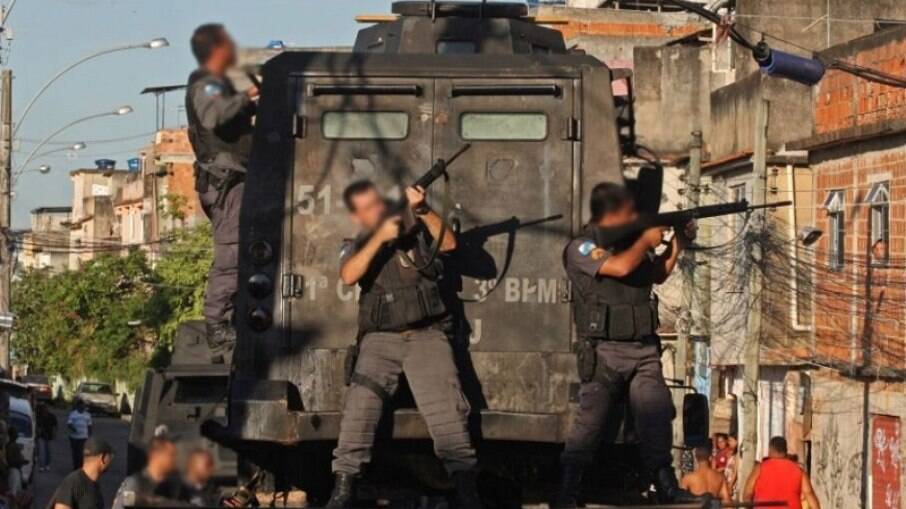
<point>843,298</point>
<point>843,101</point>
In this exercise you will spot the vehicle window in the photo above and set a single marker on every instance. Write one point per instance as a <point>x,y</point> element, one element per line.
<point>22,423</point>
<point>36,379</point>
<point>451,47</point>
<point>96,388</point>
<point>365,125</point>
<point>503,126</point>
<point>201,389</point>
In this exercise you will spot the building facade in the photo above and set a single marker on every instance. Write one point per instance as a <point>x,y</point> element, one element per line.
<point>858,396</point>
<point>46,244</point>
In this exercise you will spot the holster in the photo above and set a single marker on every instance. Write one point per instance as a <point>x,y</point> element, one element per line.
<point>352,355</point>
<point>223,172</point>
<point>586,359</point>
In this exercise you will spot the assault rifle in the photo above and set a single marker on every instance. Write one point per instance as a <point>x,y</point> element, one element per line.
<point>438,170</point>
<point>621,235</point>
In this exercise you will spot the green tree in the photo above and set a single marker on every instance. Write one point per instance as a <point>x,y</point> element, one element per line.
<point>113,317</point>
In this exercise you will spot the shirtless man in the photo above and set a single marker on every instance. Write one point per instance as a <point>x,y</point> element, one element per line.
<point>706,480</point>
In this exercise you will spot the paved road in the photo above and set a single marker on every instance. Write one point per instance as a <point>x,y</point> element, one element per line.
<point>114,431</point>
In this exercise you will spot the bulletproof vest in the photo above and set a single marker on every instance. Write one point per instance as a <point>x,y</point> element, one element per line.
<point>619,309</point>
<point>231,141</point>
<point>396,296</point>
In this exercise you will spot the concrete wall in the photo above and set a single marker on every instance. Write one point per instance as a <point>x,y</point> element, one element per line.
<point>671,86</point>
<point>837,428</point>
<point>733,110</point>
<point>798,22</point>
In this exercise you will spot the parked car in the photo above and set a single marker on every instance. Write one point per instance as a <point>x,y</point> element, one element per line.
<point>98,397</point>
<point>40,386</point>
<point>22,417</point>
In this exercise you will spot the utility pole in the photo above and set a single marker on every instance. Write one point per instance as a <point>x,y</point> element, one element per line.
<point>685,320</point>
<point>698,283</point>
<point>752,348</point>
<point>6,248</point>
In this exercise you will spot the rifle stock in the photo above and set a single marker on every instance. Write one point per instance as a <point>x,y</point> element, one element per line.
<point>615,236</point>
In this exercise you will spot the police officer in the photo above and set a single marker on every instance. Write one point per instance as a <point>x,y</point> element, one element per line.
<point>619,352</point>
<point>402,322</point>
<point>220,128</point>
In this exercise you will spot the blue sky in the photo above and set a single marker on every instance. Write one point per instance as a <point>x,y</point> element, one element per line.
<point>50,34</point>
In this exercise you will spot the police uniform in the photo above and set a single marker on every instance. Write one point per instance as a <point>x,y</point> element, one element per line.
<point>220,128</point>
<point>619,354</point>
<point>403,322</point>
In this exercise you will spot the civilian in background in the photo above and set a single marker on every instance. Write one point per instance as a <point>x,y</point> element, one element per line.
<point>15,461</point>
<point>778,478</point>
<point>704,480</point>
<point>731,472</point>
<point>721,452</point>
<point>47,430</point>
<point>80,489</point>
<point>80,424</point>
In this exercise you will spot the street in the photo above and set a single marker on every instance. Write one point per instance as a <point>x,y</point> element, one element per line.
<point>115,431</point>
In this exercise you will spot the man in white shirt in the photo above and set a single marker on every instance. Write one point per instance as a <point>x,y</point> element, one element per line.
<point>79,424</point>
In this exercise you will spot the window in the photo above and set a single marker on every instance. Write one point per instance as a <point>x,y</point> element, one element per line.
<point>737,194</point>
<point>834,204</point>
<point>365,125</point>
<point>879,200</point>
<point>456,47</point>
<point>22,423</point>
<point>503,126</point>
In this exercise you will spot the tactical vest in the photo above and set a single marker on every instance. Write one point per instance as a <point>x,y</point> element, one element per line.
<point>608,308</point>
<point>226,147</point>
<point>396,296</point>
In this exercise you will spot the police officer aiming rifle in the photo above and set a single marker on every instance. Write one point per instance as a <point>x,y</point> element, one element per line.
<point>619,352</point>
<point>220,130</point>
<point>402,325</point>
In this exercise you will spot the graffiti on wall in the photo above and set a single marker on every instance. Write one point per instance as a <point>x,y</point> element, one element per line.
<point>885,462</point>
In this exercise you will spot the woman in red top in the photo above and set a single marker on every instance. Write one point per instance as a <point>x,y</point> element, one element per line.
<point>778,478</point>
<point>721,452</point>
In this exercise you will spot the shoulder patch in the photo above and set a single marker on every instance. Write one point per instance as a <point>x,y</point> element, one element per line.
<point>213,89</point>
<point>597,253</point>
<point>586,247</point>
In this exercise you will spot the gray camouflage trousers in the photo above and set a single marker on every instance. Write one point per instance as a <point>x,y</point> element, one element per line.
<point>633,369</point>
<point>425,356</point>
<point>224,274</point>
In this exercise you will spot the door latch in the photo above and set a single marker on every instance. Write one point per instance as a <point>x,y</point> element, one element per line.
<point>293,286</point>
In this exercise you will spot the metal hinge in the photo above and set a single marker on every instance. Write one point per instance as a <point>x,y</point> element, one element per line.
<point>293,286</point>
<point>573,130</point>
<point>299,126</point>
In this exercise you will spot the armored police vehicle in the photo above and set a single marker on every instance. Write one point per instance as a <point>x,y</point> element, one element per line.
<point>543,129</point>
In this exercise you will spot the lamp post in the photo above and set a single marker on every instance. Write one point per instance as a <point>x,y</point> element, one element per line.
<point>156,43</point>
<point>122,110</point>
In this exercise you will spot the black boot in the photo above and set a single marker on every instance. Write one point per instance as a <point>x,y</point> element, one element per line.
<point>667,490</point>
<point>465,483</point>
<point>343,490</point>
<point>570,485</point>
<point>221,338</point>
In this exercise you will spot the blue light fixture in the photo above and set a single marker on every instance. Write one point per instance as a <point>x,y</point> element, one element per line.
<point>781,64</point>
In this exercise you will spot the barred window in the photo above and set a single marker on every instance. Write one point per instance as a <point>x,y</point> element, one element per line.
<point>834,204</point>
<point>879,200</point>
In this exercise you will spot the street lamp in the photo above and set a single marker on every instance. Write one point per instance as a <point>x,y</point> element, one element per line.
<point>156,43</point>
<point>122,110</point>
<point>75,147</point>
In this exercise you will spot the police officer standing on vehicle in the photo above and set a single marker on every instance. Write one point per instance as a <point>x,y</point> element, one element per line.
<point>402,326</point>
<point>220,129</point>
<point>619,354</point>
